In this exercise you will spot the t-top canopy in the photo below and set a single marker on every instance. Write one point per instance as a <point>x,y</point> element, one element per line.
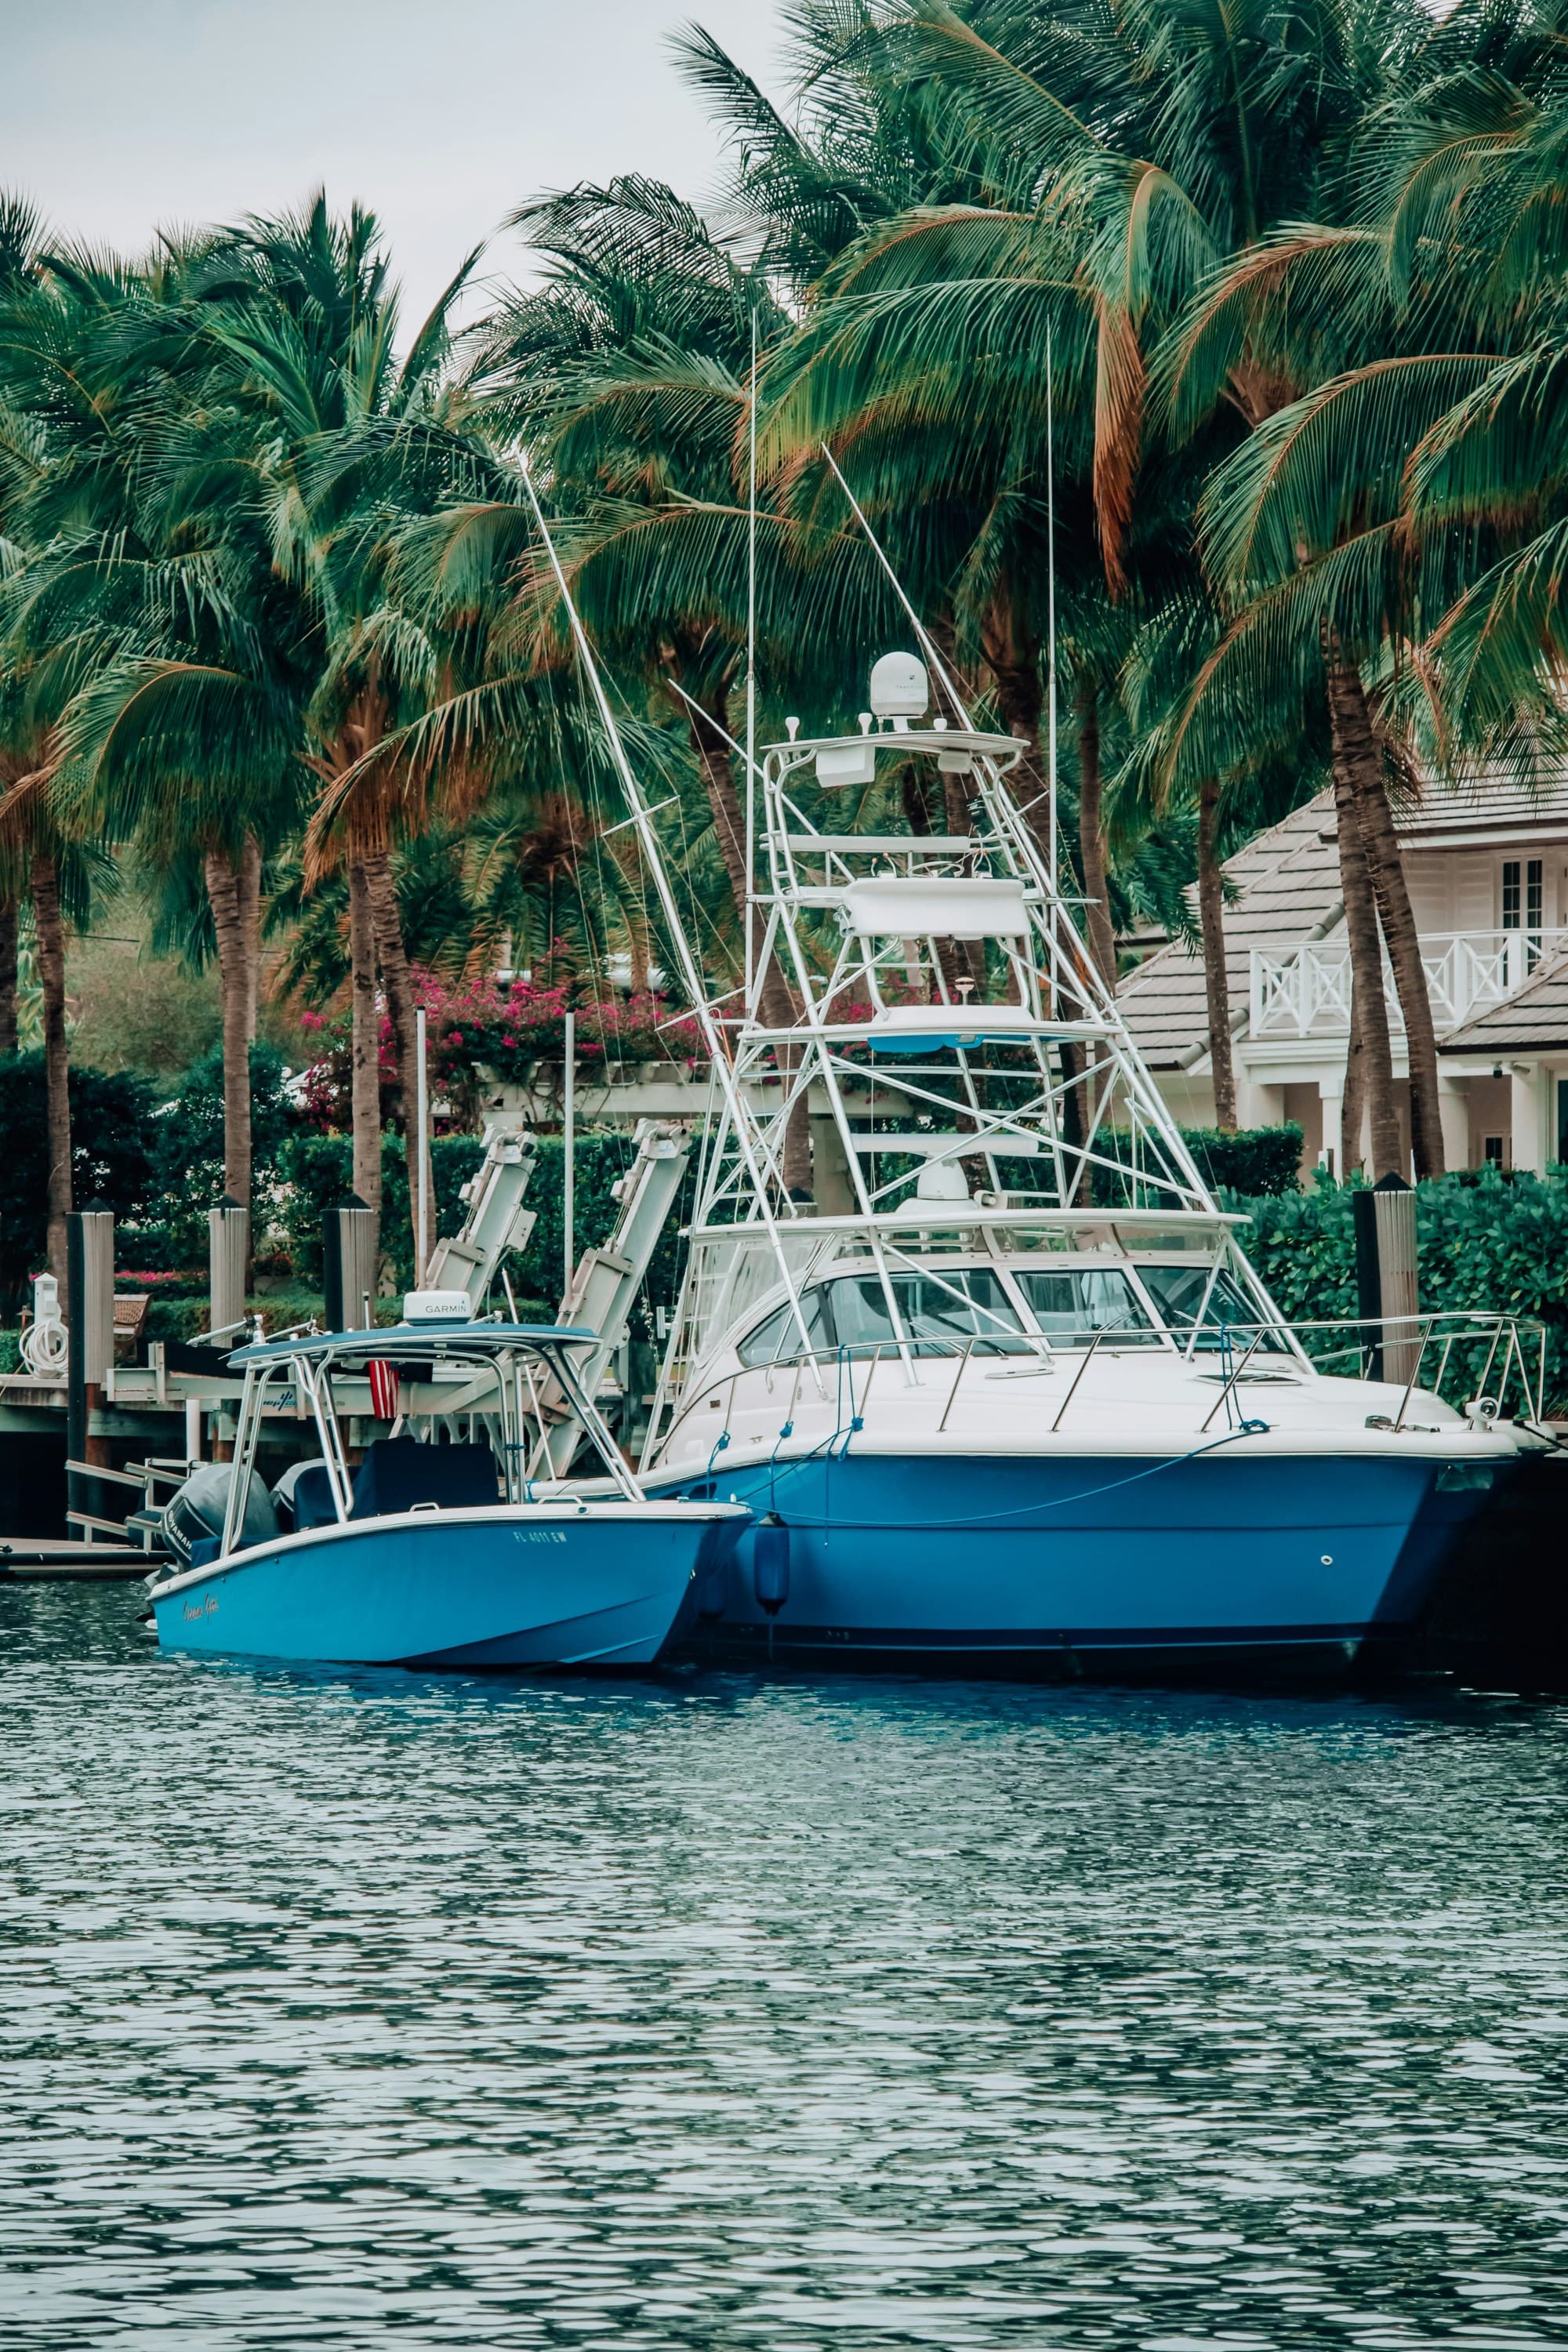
<point>419,1338</point>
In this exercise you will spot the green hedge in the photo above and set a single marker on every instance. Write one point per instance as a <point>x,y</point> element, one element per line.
<point>1495,1243</point>
<point>1258,1160</point>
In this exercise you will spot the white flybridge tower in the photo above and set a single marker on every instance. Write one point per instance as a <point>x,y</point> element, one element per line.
<point>965,1075</point>
<point>905,1044</point>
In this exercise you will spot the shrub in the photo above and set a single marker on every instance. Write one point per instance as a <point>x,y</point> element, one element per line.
<point>1498,1247</point>
<point>114,1137</point>
<point>1262,1161</point>
<point>506,1027</point>
<point>317,1172</point>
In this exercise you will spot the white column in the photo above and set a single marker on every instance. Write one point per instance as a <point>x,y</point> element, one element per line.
<point>1332,1095</point>
<point>1258,1105</point>
<point>1453,1115</point>
<point>1528,1116</point>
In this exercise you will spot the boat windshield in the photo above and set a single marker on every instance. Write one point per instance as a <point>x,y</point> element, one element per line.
<point>1179,1293</point>
<point>938,1313</point>
<point>1073,1305</point>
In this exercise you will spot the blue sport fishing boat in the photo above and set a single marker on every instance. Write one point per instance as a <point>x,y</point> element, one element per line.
<point>1003,1389</point>
<point>435,1549</point>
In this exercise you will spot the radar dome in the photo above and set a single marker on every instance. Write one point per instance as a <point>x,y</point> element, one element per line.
<point>898,688</point>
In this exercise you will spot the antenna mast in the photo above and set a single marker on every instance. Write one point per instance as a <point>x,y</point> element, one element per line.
<point>1051,614</point>
<point>751,657</point>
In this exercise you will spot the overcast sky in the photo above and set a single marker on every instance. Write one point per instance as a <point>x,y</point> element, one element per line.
<point>442,115</point>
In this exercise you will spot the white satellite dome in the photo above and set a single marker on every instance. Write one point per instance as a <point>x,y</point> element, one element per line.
<point>898,687</point>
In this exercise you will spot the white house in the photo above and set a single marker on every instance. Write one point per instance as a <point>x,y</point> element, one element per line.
<point>1488,871</point>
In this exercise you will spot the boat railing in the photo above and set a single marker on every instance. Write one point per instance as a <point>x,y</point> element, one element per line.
<point>1464,1338</point>
<point>1509,1352</point>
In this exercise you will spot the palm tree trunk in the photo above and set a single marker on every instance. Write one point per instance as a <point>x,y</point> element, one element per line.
<point>50,942</point>
<point>225,897</point>
<point>1217,984</point>
<point>364,1088</point>
<point>1371,1007</point>
<point>1356,746</point>
<point>396,979</point>
<point>1092,838</point>
<point>1352,1105</point>
<point>777,999</point>
<point>9,923</point>
<point>251,921</point>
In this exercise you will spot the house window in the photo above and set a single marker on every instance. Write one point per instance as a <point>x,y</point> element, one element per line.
<point>1523,903</point>
<point>1492,1150</point>
<point>1563,1121</point>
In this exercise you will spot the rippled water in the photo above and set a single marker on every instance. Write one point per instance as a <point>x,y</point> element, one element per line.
<point>352,2008</point>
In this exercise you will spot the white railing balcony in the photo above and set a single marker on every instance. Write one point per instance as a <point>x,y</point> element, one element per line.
<point>1308,993</point>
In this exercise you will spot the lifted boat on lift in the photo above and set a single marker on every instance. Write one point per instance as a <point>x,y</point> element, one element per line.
<point>438,1549</point>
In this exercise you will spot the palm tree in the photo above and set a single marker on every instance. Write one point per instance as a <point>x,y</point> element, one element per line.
<point>1114,166</point>
<point>1403,351</point>
<point>627,375</point>
<point>268,421</point>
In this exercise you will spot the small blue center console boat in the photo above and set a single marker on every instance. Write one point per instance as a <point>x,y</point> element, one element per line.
<point>435,1549</point>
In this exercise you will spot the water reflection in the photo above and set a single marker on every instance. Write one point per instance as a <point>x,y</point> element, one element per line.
<point>356,2008</point>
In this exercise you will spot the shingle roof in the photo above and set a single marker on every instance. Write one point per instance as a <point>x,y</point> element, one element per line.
<point>1286,886</point>
<point>1288,882</point>
<point>1490,802</point>
<point>1533,1020</point>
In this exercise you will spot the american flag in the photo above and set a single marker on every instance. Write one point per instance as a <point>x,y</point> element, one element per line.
<point>383,1389</point>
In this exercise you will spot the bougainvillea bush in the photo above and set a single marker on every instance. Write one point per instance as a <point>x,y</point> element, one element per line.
<point>505,1026</point>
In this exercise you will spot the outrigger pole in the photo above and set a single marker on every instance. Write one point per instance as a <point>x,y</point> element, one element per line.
<point>713,1037</point>
<point>751,658</point>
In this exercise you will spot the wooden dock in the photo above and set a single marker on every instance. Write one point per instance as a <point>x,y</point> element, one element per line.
<point>23,1561</point>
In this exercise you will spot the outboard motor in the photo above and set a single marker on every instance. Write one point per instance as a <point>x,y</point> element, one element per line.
<point>195,1512</point>
<point>770,1563</point>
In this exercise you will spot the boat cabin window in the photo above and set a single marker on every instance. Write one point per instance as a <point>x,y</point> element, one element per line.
<point>851,1311</point>
<point>1072,1303</point>
<point>969,1304</point>
<point>1178,1293</point>
<point>777,1341</point>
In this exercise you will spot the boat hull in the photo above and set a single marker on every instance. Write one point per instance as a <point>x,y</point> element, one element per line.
<point>525,1587</point>
<point>1296,1563</point>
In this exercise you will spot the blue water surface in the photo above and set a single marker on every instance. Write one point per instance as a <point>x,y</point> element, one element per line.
<point>357,2008</point>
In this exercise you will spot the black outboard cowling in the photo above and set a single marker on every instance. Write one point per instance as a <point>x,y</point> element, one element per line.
<point>195,1514</point>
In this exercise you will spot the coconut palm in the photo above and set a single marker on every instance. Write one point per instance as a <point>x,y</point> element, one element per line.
<point>1404,350</point>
